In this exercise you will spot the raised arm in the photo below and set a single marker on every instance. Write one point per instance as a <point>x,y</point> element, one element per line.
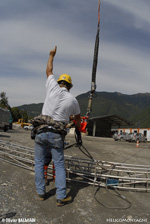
<point>49,69</point>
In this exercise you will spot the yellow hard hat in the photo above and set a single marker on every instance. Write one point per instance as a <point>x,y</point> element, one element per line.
<point>66,78</point>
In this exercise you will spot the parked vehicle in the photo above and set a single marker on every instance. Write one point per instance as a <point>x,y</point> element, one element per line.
<point>144,131</point>
<point>28,127</point>
<point>121,136</point>
<point>115,134</point>
<point>4,119</point>
<point>22,122</point>
<point>138,136</point>
<point>129,137</point>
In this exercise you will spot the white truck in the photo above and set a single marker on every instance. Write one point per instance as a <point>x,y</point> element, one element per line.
<point>4,119</point>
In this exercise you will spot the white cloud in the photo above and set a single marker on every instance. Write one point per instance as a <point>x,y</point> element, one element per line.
<point>122,69</point>
<point>125,56</point>
<point>24,90</point>
<point>22,37</point>
<point>25,45</point>
<point>140,9</point>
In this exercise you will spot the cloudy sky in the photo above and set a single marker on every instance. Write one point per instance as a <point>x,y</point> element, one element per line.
<point>30,28</point>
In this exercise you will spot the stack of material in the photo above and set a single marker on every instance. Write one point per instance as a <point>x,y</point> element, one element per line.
<point>98,173</point>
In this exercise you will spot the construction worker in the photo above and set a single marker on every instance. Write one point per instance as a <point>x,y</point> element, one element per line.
<point>58,106</point>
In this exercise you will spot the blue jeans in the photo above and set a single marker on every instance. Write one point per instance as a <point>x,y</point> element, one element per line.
<point>55,143</point>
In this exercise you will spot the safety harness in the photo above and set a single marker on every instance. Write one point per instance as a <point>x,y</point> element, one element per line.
<point>44,123</point>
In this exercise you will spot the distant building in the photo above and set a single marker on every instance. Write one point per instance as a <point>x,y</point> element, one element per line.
<point>102,125</point>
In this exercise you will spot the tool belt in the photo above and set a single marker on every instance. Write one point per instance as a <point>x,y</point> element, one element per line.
<point>44,130</point>
<point>41,123</point>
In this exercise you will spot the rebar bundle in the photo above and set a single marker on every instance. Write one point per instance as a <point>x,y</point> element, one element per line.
<point>97,173</point>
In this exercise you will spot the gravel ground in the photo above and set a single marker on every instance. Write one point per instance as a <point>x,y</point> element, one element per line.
<point>19,202</point>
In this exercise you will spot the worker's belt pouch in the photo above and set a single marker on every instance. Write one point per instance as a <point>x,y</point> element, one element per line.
<point>42,121</point>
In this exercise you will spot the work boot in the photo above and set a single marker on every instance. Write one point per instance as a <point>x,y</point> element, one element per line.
<point>42,197</point>
<point>66,200</point>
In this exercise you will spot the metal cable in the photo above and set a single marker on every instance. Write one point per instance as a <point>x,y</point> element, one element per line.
<point>114,207</point>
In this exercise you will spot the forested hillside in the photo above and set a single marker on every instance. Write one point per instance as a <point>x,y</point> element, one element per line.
<point>135,108</point>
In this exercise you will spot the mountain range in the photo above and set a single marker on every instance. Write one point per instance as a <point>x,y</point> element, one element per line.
<point>135,108</point>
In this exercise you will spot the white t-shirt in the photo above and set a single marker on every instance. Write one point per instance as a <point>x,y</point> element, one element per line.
<point>59,103</point>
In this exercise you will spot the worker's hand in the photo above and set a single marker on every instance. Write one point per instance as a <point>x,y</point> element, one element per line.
<point>53,51</point>
<point>71,124</point>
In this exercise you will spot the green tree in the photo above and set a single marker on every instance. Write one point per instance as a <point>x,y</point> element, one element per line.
<point>24,115</point>
<point>15,113</point>
<point>4,100</point>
